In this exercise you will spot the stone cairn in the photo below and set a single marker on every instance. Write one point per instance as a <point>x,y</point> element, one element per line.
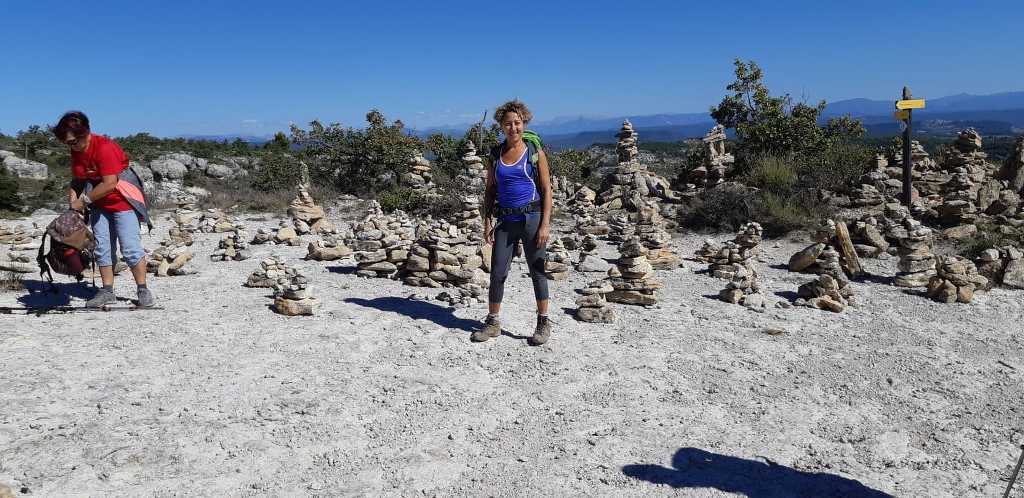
<point>589,261</point>
<point>469,220</point>
<point>22,247</point>
<point>171,258</point>
<point>832,234</point>
<point>442,257</point>
<point>270,270</point>
<point>655,238</point>
<point>1012,170</point>
<point>592,306</point>
<point>955,281</point>
<point>186,217</point>
<point>292,296</point>
<point>418,176</point>
<point>868,240</point>
<point>917,263</point>
<point>620,229</point>
<point>831,291</point>
<point>232,247</point>
<point>734,257</point>
<point>718,162</point>
<point>381,243</point>
<point>632,278</point>
<point>556,262</point>
<point>743,288</point>
<point>307,216</point>
<point>215,221</point>
<point>474,174</point>
<point>1003,266</point>
<point>285,234</point>
<point>329,248</point>
<point>630,182</point>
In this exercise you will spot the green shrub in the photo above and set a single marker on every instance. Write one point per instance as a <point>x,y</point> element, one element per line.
<point>276,172</point>
<point>836,167</point>
<point>438,204</point>
<point>9,199</point>
<point>779,214</point>
<point>776,174</point>
<point>572,164</point>
<point>987,237</point>
<point>723,208</point>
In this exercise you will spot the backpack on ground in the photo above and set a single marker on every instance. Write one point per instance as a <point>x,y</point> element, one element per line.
<point>71,247</point>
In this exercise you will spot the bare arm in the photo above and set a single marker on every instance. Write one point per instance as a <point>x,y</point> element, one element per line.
<point>106,186</point>
<point>490,192</point>
<point>545,185</point>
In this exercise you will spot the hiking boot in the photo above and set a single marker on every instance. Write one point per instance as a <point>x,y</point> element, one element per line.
<point>492,328</point>
<point>146,298</point>
<point>101,299</point>
<point>542,333</point>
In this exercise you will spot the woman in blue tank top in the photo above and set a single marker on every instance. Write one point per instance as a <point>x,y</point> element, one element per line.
<point>518,194</point>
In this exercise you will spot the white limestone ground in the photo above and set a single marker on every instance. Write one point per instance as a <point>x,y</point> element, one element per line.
<point>379,395</point>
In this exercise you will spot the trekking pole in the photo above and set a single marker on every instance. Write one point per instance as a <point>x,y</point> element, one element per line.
<point>1016,470</point>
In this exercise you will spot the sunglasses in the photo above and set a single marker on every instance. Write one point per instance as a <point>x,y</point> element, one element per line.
<point>74,141</point>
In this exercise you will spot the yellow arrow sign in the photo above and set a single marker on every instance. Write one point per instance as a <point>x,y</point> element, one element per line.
<point>901,115</point>
<point>910,104</point>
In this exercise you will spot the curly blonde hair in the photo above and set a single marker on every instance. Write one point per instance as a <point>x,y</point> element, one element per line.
<point>517,106</point>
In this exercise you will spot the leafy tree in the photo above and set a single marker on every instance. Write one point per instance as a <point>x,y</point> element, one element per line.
<point>445,150</point>
<point>277,171</point>
<point>33,139</point>
<point>9,199</point>
<point>483,137</point>
<point>280,143</point>
<point>575,165</point>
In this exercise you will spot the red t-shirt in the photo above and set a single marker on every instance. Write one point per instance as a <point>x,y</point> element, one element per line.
<point>102,157</point>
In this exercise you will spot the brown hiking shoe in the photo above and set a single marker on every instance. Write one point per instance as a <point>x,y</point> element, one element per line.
<point>542,333</point>
<point>492,328</point>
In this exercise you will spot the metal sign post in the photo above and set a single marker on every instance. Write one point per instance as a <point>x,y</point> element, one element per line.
<point>905,112</point>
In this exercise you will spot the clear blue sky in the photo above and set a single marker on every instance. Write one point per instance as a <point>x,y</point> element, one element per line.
<point>211,67</point>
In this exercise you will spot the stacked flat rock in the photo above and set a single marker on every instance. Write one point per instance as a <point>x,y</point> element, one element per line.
<point>655,238</point>
<point>307,216</point>
<point>832,234</point>
<point>589,261</point>
<point>630,182</point>
<point>922,161</point>
<point>831,291</point>
<point>215,221</point>
<point>958,206</point>
<point>917,263</point>
<point>743,288</point>
<point>418,177</point>
<point>474,173</point>
<point>583,200</point>
<point>632,278</point>
<point>592,306</point>
<point>588,224</point>
<point>270,270</point>
<point>735,256</point>
<point>292,296</point>
<point>173,255</point>
<point>1003,266</point>
<point>381,243</point>
<point>16,235</point>
<point>718,162</point>
<point>966,151</point>
<point>330,248</point>
<point>1012,170</point>
<point>232,247</point>
<point>469,219</point>
<point>620,228</point>
<point>708,251</point>
<point>866,195</point>
<point>442,257</point>
<point>22,246</point>
<point>955,281</point>
<point>556,261</point>
<point>868,239</point>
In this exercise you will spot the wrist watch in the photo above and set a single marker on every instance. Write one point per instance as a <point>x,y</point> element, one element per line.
<point>85,199</point>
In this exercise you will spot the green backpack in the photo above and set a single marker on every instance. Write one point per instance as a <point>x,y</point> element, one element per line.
<point>534,145</point>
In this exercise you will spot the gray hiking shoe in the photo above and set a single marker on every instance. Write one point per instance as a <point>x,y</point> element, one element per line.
<point>492,328</point>
<point>146,299</point>
<point>101,299</point>
<point>542,333</point>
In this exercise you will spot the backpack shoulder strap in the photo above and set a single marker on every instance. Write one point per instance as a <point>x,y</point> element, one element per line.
<point>44,267</point>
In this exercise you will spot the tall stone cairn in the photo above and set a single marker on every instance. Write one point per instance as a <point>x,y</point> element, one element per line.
<point>307,216</point>
<point>556,261</point>
<point>718,162</point>
<point>620,228</point>
<point>469,219</point>
<point>626,149</point>
<point>418,177</point>
<point>650,229</point>
<point>474,173</point>
<point>632,278</point>
<point>917,263</point>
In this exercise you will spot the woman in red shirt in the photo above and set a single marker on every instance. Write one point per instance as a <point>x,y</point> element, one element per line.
<point>103,181</point>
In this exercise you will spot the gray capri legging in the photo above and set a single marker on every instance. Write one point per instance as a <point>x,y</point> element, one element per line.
<point>506,235</point>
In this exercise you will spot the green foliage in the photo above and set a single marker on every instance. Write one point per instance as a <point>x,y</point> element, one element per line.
<point>988,236</point>
<point>144,147</point>
<point>776,174</point>
<point>32,140</point>
<point>575,165</point>
<point>356,161</point>
<point>276,172</point>
<point>445,150</point>
<point>484,137</point>
<point>9,199</point>
<point>280,143</point>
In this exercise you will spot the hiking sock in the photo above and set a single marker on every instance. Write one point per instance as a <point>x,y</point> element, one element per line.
<point>141,286</point>
<point>108,288</point>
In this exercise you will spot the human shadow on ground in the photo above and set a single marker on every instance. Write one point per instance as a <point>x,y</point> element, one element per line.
<point>418,310</point>
<point>870,278</point>
<point>343,270</point>
<point>779,266</point>
<point>788,295</point>
<point>41,295</point>
<point>696,468</point>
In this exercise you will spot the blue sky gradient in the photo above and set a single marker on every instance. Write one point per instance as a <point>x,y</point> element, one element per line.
<point>218,67</point>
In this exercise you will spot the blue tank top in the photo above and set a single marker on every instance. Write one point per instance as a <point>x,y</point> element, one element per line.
<point>515,185</point>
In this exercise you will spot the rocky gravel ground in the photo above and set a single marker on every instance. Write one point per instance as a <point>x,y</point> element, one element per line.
<point>382,395</point>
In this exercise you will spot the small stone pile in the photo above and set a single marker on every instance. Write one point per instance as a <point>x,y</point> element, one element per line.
<point>215,221</point>
<point>330,248</point>
<point>831,234</point>
<point>620,228</point>
<point>232,247</point>
<point>271,269</point>
<point>955,281</point>
<point>186,216</point>
<point>381,243</point>
<point>718,162</point>
<point>831,291</point>
<point>735,256</point>
<point>630,182</point>
<point>592,306</point>
<point>868,240</point>
<point>292,296</point>
<point>17,235</point>
<point>469,220</point>
<point>632,278</point>
<point>307,216</point>
<point>474,174</point>
<point>171,258</point>
<point>743,288</point>
<point>655,238</point>
<point>418,177</point>
<point>959,193</point>
<point>22,247</point>
<point>285,234</point>
<point>708,251</point>
<point>556,261</point>
<point>917,263</point>
<point>589,261</point>
<point>442,257</point>
<point>1003,266</point>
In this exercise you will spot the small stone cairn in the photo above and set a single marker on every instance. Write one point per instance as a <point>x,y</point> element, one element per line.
<point>307,216</point>
<point>650,229</point>
<point>632,278</point>
<point>22,247</point>
<point>418,177</point>
<point>469,220</point>
<point>831,291</point>
<point>556,262</point>
<point>232,247</point>
<point>473,175</point>
<point>442,257</point>
<point>592,306</point>
<point>292,296</point>
<point>718,162</point>
<point>743,288</point>
<point>589,261</point>
<point>329,248</point>
<point>215,221</point>
<point>917,263</point>
<point>620,228</point>
<point>171,258</point>
<point>955,281</point>
<point>270,270</point>
<point>735,257</point>
<point>284,234</point>
<point>381,243</point>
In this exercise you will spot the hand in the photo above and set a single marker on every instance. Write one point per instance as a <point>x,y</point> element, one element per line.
<point>488,232</point>
<point>543,235</point>
<point>78,205</point>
